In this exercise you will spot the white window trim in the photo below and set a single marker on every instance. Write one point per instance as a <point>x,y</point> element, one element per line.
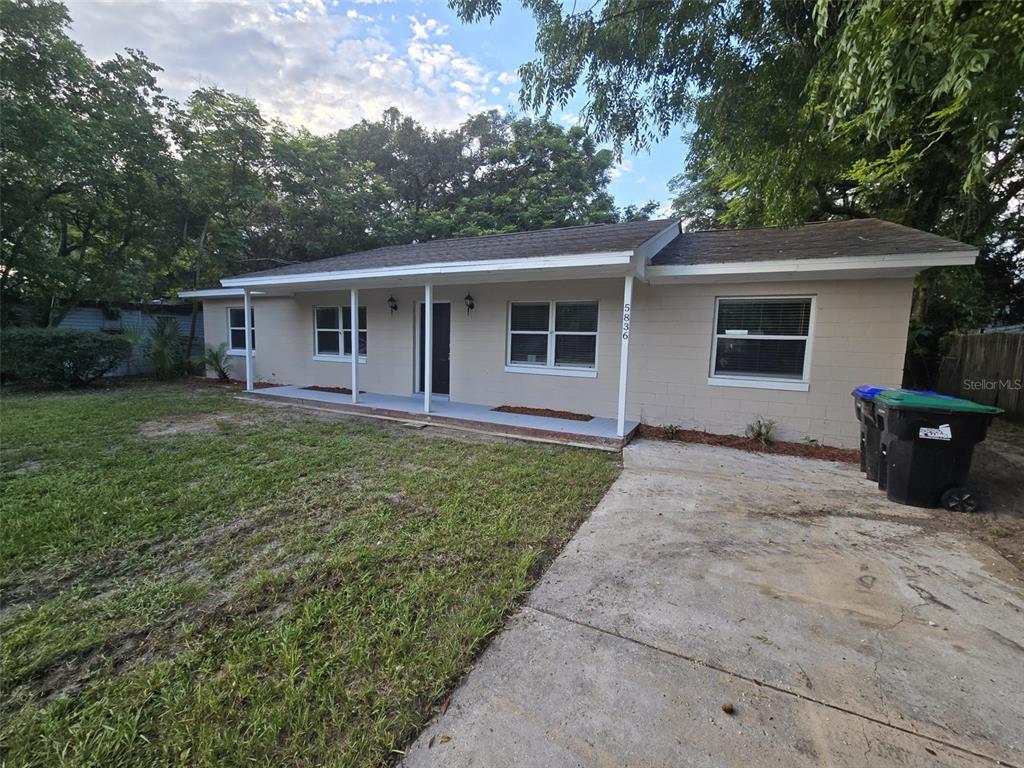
<point>549,368</point>
<point>764,382</point>
<point>341,357</point>
<point>232,352</point>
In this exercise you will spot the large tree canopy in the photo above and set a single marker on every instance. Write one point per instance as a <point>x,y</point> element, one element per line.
<point>112,191</point>
<point>798,110</point>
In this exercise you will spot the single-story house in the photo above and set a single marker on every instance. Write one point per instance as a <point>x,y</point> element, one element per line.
<point>627,323</point>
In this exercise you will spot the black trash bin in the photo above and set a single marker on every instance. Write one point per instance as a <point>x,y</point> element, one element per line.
<point>927,441</point>
<point>870,435</point>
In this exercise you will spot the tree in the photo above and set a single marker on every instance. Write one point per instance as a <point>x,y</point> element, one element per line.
<point>495,173</point>
<point>534,174</point>
<point>84,163</point>
<point>222,142</point>
<point>322,202</point>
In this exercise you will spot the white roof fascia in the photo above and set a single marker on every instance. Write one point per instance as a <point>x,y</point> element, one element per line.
<point>903,261</point>
<point>211,293</point>
<point>603,258</point>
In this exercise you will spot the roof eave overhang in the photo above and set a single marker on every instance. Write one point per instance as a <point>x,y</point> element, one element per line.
<point>213,293</point>
<point>855,267</point>
<point>493,270</point>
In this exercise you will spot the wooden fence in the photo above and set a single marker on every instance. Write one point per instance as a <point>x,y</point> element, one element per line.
<point>987,368</point>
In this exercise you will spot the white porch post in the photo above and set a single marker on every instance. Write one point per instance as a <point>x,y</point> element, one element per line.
<point>428,344</point>
<point>355,345</point>
<point>247,309</point>
<point>627,301</point>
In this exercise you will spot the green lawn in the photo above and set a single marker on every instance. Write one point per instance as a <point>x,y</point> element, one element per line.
<point>193,580</point>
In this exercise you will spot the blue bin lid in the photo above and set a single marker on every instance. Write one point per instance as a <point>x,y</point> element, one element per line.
<point>867,392</point>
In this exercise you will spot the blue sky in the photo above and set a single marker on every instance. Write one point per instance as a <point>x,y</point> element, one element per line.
<point>326,64</point>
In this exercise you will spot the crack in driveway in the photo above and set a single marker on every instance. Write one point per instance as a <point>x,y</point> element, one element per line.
<point>772,686</point>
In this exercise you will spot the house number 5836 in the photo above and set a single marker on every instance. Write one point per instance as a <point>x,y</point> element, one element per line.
<point>625,322</point>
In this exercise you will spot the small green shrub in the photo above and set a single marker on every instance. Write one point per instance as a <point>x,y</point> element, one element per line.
<point>216,359</point>
<point>165,350</point>
<point>762,430</point>
<point>53,357</point>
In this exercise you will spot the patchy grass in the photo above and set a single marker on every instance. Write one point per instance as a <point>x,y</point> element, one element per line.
<point>189,579</point>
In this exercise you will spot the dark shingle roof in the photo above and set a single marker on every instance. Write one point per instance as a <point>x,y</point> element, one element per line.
<point>588,238</point>
<point>820,240</point>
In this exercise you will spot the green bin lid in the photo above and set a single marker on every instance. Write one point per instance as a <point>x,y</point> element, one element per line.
<point>901,398</point>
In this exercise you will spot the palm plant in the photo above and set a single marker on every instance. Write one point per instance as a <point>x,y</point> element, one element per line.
<point>216,358</point>
<point>164,349</point>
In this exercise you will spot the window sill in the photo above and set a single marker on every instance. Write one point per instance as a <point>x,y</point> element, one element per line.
<point>338,359</point>
<point>726,381</point>
<point>239,353</point>
<point>543,370</point>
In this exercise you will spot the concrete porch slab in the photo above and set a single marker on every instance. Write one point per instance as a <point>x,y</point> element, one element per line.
<point>596,433</point>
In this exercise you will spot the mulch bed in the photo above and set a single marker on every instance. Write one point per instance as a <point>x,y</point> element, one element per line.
<point>806,450</point>
<point>335,390</point>
<point>236,383</point>
<point>546,412</point>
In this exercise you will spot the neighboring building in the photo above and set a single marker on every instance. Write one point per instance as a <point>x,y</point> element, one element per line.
<point>135,319</point>
<point>630,322</point>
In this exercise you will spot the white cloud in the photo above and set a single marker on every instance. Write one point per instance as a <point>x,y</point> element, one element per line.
<point>621,169</point>
<point>300,62</point>
<point>422,30</point>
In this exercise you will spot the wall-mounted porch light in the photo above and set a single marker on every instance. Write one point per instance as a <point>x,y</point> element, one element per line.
<point>470,303</point>
<point>392,304</point>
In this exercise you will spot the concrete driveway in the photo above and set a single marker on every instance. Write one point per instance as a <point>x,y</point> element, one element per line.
<point>843,630</point>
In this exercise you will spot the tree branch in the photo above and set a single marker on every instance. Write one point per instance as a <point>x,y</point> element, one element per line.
<point>828,205</point>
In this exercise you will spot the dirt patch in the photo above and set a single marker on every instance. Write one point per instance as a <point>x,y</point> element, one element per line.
<point>804,450</point>
<point>545,412</point>
<point>28,467</point>
<point>188,425</point>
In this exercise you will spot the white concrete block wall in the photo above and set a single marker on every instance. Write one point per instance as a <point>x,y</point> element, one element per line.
<point>859,337</point>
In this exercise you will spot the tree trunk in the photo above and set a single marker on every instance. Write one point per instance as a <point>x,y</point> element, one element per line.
<point>195,285</point>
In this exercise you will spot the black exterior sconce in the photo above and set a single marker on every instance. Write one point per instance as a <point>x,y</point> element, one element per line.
<point>392,304</point>
<point>470,303</point>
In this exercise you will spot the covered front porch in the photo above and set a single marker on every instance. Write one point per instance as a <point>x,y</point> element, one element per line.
<point>595,433</point>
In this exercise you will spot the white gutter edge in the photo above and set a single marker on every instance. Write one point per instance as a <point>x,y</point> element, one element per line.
<point>894,261</point>
<point>600,259</point>
<point>211,293</point>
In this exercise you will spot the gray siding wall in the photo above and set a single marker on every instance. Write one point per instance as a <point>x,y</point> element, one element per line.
<point>93,319</point>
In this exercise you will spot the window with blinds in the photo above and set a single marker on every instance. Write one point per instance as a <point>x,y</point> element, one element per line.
<point>333,331</point>
<point>762,338</point>
<point>553,334</point>
<point>236,329</point>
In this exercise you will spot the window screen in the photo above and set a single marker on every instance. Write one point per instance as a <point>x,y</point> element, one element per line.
<point>762,338</point>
